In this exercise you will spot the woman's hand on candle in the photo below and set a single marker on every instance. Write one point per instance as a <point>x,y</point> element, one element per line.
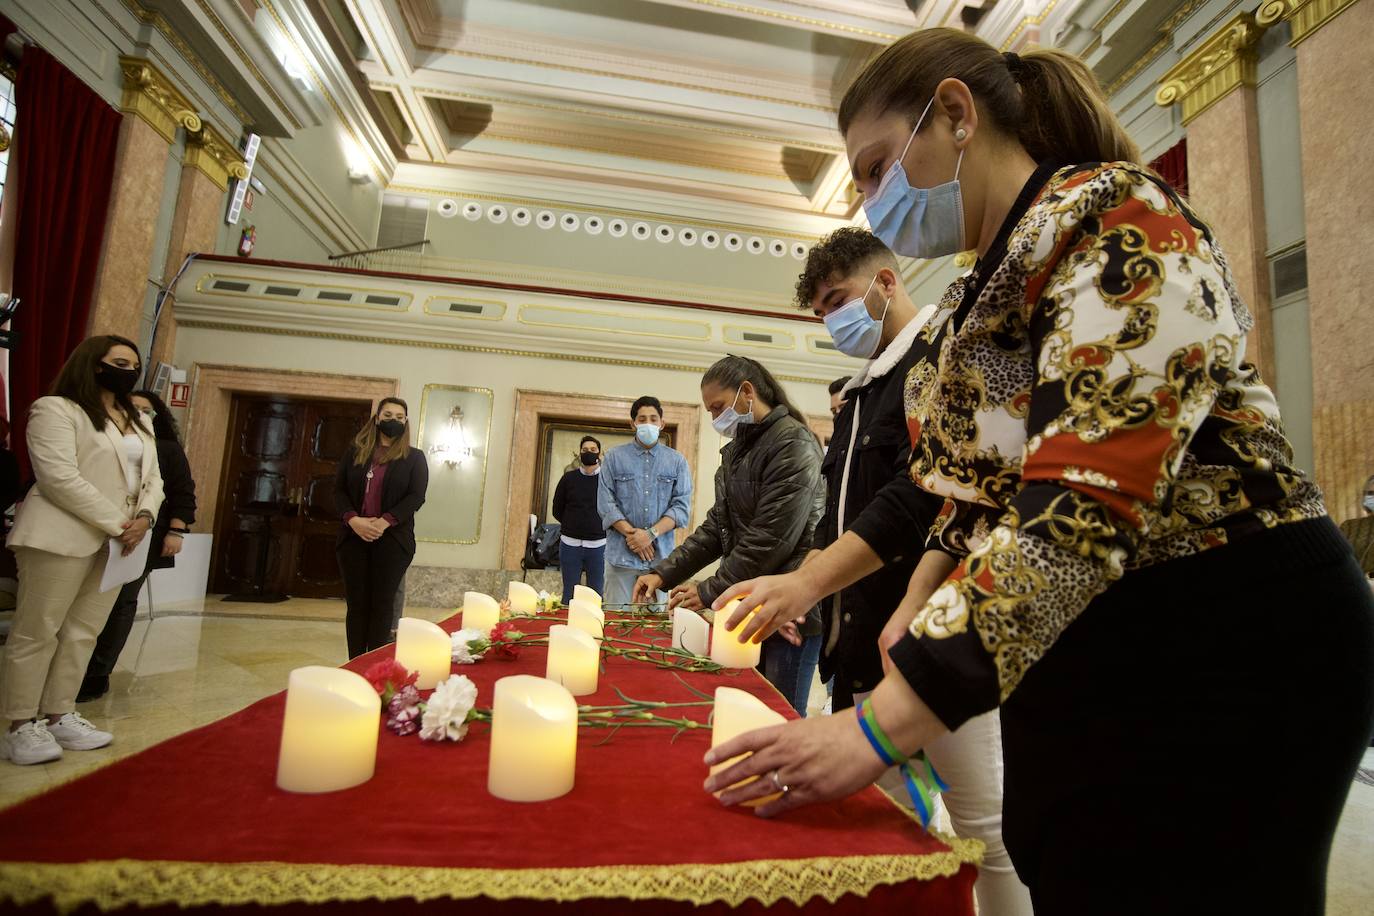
<point>774,602</point>
<point>685,596</point>
<point>821,758</point>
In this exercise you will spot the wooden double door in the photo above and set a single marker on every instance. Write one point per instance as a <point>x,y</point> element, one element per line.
<point>278,491</point>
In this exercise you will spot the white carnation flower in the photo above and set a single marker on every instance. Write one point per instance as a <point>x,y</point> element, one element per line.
<point>446,711</point>
<point>463,653</point>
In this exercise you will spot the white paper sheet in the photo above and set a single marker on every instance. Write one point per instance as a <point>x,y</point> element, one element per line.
<point>120,569</point>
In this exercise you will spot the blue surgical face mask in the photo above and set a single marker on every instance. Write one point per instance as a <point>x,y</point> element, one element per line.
<point>730,420</point>
<point>917,222</point>
<point>855,332</point>
<point>647,434</point>
<point>1369,503</point>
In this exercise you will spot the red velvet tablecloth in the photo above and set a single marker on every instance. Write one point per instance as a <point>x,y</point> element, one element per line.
<point>198,821</point>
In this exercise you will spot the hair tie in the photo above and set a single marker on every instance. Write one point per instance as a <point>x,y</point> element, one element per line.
<point>1013,61</point>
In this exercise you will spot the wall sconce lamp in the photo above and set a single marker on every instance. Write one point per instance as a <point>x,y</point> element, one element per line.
<point>453,447</point>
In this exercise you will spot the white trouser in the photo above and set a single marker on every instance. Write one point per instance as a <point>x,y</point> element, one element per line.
<point>970,762</point>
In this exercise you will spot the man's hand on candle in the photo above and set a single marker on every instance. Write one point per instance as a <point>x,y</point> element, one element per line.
<point>645,587</point>
<point>773,600</point>
<point>685,596</point>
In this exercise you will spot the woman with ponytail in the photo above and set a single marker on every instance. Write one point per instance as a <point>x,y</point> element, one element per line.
<point>769,497</point>
<point>1141,579</point>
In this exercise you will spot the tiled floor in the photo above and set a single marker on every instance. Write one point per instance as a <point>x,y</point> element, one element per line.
<point>189,669</point>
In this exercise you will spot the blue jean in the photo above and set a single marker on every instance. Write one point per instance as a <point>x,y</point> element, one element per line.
<point>791,668</point>
<point>576,560</point>
<point>620,586</point>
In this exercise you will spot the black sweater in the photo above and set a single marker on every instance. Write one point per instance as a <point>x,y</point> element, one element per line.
<point>574,505</point>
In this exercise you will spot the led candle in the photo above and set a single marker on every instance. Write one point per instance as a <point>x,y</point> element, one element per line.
<point>329,732</point>
<point>424,648</point>
<point>737,712</point>
<point>533,739</point>
<point>586,594</point>
<point>690,631</point>
<point>726,649</point>
<point>574,659</point>
<point>480,612</point>
<point>523,598</point>
<point>587,618</point>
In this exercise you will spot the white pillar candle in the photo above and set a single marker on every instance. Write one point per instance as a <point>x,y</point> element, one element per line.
<point>523,598</point>
<point>690,631</point>
<point>480,612</point>
<point>587,618</point>
<point>329,732</point>
<point>584,593</point>
<point>424,648</point>
<point>737,712</point>
<point>533,739</point>
<point>726,649</point>
<point>574,659</point>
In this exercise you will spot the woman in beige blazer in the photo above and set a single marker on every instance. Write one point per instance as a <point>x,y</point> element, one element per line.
<point>97,478</point>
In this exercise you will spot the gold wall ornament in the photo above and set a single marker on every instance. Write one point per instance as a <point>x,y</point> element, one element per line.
<point>152,97</point>
<point>1304,16</point>
<point>966,259</point>
<point>1221,64</point>
<point>4,138</point>
<point>208,152</point>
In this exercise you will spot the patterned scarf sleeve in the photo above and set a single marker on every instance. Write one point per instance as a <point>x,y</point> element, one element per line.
<point>1137,338</point>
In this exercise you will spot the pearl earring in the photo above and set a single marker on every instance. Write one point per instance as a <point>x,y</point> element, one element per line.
<point>960,134</point>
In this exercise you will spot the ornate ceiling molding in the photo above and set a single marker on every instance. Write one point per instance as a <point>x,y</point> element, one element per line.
<point>1303,16</point>
<point>1221,64</point>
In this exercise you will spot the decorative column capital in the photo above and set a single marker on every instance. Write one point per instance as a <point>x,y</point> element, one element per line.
<point>1221,64</point>
<point>152,97</point>
<point>211,154</point>
<point>1305,16</point>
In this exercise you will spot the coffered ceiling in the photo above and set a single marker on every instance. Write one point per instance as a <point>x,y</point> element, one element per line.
<point>688,106</point>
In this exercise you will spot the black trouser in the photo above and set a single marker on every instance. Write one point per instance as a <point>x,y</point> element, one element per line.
<point>116,632</point>
<point>372,573</point>
<point>1187,744</point>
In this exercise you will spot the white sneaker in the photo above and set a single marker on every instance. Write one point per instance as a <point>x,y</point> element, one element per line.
<point>74,733</point>
<point>30,743</point>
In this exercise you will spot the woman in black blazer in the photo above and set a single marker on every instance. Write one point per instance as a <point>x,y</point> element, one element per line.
<point>173,523</point>
<point>379,486</point>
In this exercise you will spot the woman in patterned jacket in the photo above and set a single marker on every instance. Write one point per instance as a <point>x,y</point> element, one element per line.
<point>1181,644</point>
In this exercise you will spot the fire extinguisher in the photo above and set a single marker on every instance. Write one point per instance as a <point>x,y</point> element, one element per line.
<point>246,240</point>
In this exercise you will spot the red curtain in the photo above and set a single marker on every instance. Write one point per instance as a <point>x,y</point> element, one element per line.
<point>61,163</point>
<point>1172,166</point>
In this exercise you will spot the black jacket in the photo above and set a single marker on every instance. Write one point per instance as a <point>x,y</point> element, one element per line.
<point>882,506</point>
<point>769,497</point>
<point>574,505</point>
<point>403,493</point>
<point>179,499</point>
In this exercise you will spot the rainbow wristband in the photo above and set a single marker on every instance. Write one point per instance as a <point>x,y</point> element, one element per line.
<point>922,782</point>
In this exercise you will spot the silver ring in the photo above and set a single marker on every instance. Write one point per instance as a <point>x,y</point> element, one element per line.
<point>778,784</point>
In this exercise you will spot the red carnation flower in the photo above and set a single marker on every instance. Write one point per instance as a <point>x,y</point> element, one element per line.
<point>505,641</point>
<point>389,676</point>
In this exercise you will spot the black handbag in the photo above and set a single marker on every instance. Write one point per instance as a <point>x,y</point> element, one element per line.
<point>541,551</point>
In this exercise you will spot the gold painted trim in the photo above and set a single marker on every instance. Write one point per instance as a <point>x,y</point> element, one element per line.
<point>154,99</point>
<point>464,348</point>
<point>211,154</point>
<point>486,451</point>
<point>188,54</point>
<point>743,329</point>
<point>464,315</point>
<point>203,286</point>
<point>1026,23</point>
<point>1224,62</point>
<point>119,883</point>
<point>520,317</point>
<point>609,212</point>
<point>1141,63</point>
<point>1304,16</point>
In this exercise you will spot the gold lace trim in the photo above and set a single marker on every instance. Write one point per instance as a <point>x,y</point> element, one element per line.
<point>129,882</point>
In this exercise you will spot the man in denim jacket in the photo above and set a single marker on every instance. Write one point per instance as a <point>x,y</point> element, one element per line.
<point>646,492</point>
